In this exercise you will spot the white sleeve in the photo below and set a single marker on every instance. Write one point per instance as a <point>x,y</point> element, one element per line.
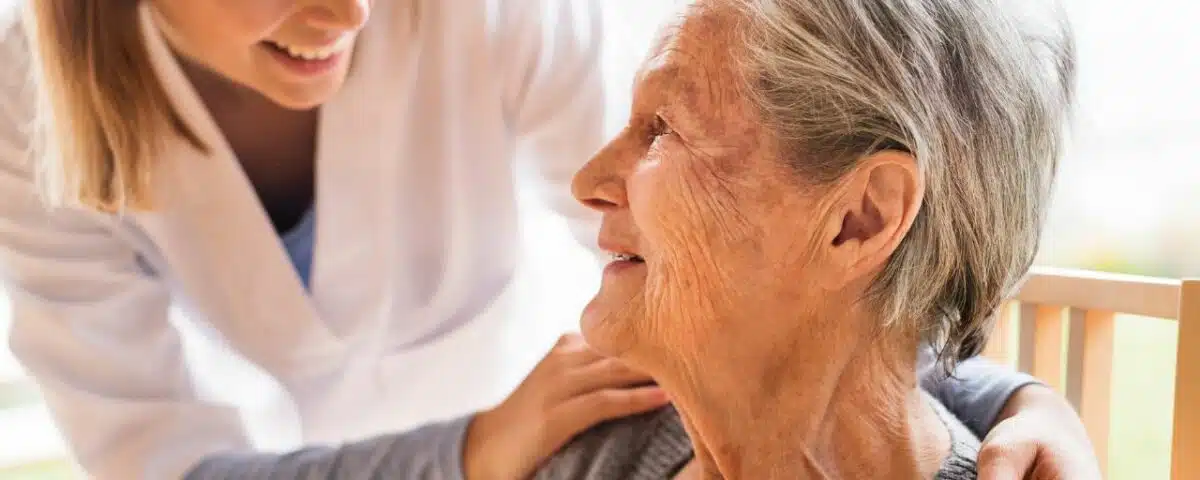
<point>90,325</point>
<point>554,96</point>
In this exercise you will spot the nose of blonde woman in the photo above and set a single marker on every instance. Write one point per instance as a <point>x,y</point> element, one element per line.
<point>345,15</point>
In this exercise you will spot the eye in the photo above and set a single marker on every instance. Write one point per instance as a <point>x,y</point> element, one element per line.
<point>660,127</point>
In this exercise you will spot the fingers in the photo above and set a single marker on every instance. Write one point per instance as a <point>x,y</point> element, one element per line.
<point>599,375</point>
<point>570,351</point>
<point>1006,461</point>
<point>609,404</point>
<point>572,389</point>
<point>568,339</point>
<point>1002,459</point>
<point>585,411</point>
<point>577,369</point>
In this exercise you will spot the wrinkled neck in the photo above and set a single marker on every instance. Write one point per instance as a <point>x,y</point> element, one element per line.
<point>878,424</point>
<point>845,407</point>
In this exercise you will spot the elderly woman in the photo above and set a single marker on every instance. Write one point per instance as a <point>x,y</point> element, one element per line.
<point>808,192</point>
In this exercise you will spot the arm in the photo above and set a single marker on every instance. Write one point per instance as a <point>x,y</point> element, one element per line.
<point>1039,433</point>
<point>91,327</point>
<point>90,324</point>
<point>1026,427</point>
<point>433,452</point>
<point>977,392</point>
<point>554,96</point>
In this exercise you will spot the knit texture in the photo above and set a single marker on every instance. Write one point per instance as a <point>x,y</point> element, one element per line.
<point>654,446</point>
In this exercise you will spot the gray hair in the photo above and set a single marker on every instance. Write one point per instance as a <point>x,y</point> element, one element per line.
<point>979,91</point>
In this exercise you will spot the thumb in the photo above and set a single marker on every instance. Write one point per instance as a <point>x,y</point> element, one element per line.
<point>1007,461</point>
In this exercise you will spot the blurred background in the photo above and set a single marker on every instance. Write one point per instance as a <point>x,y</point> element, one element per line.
<point>1128,201</point>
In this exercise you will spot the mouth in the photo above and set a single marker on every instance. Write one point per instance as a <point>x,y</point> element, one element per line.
<point>626,257</point>
<point>621,262</point>
<point>621,253</point>
<point>312,54</point>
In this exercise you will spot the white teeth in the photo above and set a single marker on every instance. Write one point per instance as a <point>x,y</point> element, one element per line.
<point>625,257</point>
<point>315,54</point>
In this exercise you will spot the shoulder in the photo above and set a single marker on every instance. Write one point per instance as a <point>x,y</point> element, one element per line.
<point>16,54</point>
<point>960,464</point>
<point>18,111</point>
<point>514,20</point>
<point>17,89</point>
<point>650,445</point>
<point>506,32</point>
<point>484,27</point>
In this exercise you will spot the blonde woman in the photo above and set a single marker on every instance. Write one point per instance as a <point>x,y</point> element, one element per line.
<point>326,187</point>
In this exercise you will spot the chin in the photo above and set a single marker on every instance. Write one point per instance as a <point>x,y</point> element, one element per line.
<point>304,95</point>
<point>303,99</point>
<point>610,325</point>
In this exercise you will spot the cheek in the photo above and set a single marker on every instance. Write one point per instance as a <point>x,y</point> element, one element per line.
<point>686,209</point>
<point>216,26</point>
<point>258,17</point>
<point>666,201</point>
<point>691,233</point>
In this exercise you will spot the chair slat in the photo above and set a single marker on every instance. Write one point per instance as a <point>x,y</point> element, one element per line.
<point>1048,361</point>
<point>1095,402</point>
<point>1185,443</point>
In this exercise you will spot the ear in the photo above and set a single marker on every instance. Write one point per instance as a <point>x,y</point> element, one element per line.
<point>874,211</point>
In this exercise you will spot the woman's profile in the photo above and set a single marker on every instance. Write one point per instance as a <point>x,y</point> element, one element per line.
<point>326,189</point>
<point>809,192</point>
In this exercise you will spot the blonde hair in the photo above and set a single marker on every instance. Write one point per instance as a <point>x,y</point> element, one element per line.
<point>102,114</point>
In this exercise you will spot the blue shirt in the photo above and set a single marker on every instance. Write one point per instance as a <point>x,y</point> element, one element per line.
<point>298,241</point>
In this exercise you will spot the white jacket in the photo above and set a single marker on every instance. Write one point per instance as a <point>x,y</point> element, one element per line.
<point>416,229</point>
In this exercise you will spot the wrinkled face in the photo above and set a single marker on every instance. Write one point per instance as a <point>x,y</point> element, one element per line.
<point>708,222</point>
<point>294,52</point>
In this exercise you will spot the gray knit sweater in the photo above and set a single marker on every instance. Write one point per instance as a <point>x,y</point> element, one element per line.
<point>434,452</point>
<point>655,446</point>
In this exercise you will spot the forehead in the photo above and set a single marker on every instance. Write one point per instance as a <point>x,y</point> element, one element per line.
<point>690,78</point>
<point>696,42</point>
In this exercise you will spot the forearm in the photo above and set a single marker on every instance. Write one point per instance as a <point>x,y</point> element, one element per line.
<point>433,452</point>
<point>978,392</point>
<point>1037,396</point>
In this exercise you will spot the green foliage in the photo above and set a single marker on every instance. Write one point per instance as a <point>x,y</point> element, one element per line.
<point>57,470</point>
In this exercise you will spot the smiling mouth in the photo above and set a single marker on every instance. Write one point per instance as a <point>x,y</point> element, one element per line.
<point>311,54</point>
<point>627,257</point>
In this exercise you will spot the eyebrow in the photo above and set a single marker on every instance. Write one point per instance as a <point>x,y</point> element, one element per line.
<point>695,94</point>
<point>685,86</point>
<point>658,83</point>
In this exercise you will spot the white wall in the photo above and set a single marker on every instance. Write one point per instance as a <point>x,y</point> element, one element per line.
<point>1130,185</point>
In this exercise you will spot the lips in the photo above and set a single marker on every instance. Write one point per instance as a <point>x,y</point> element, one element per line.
<point>619,250</point>
<point>312,53</point>
<point>626,257</point>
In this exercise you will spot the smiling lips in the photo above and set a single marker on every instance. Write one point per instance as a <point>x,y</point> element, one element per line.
<point>626,257</point>
<point>309,62</point>
<point>313,54</point>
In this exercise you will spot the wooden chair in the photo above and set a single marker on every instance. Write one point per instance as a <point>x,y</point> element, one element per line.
<point>1062,333</point>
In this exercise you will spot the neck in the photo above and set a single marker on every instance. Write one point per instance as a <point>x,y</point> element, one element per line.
<point>222,94</point>
<point>838,408</point>
<point>254,126</point>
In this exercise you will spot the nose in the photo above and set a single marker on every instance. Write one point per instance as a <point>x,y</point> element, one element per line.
<point>339,14</point>
<point>599,185</point>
